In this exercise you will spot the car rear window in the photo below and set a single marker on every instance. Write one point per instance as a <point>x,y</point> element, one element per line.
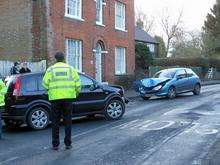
<point>39,80</point>
<point>29,84</point>
<point>190,73</point>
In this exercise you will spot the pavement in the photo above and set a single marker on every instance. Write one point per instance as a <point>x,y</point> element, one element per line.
<point>182,131</point>
<point>131,94</point>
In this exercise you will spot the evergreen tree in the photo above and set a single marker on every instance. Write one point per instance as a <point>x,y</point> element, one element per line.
<point>211,36</point>
<point>143,57</point>
<point>162,47</point>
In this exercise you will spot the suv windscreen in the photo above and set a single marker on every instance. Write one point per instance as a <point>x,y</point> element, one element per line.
<point>86,82</point>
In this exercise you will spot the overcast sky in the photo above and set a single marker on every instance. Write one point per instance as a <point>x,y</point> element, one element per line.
<point>194,11</point>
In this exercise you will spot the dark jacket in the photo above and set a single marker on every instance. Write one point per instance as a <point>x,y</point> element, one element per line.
<point>14,70</point>
<point>23,70</point>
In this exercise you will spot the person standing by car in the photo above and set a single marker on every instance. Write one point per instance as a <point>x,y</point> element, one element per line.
<point>3,91</point>
<point>63,85</point>
<point>15,69</point>
<point>24,68</point>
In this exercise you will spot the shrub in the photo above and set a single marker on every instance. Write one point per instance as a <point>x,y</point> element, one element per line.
<point>143,57</point>
<point>187,62</point>
<point>126,81</point>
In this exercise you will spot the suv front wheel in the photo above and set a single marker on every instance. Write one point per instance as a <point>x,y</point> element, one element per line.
<point>114,110</point>
<point>38,118</point>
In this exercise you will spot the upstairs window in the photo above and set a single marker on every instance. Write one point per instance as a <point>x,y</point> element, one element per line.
<point>99,12</point>
<point>73,9</point>
<point>120,16</point>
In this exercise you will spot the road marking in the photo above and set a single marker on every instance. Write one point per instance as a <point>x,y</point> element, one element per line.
<point>94,129</point>
<point>147,125</point>
<point>169,123</point>
<point>144,123</point>
<point>206,131</point>
<point>9,160</point>
<point>89,131</point>
<point>193,128</point>
<point>124,125</point>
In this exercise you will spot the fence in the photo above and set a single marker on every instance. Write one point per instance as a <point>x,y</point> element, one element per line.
<point>5,67</point>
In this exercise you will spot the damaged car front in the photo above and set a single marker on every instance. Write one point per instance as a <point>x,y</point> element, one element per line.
<point>155,86</point>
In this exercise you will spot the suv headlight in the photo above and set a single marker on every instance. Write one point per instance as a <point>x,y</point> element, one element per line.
<point>157,87</point>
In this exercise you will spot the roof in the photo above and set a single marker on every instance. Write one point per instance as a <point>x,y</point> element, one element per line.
<point>143,36</point>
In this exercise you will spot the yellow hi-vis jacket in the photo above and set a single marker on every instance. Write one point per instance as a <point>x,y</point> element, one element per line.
<point>3,91</point>
<point>62,82</point>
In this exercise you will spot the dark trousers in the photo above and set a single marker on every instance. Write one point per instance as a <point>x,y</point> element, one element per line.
<point>0,124</point>
<point>1,108</point>
<point>61,108</point>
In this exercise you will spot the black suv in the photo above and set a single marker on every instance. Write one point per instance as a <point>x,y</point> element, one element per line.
<point>27,101</point>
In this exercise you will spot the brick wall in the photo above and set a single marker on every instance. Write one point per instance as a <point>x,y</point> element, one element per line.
<point>39,29</point>
<point>35,30</point>
<point>60,27</point>
<point>15,30</point>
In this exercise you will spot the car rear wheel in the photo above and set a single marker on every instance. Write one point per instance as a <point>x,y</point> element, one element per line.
<point>114,110</point>
<point>171,93</point>
<point>145,98</point>
<point>197,89</point>
<point>38,118</point>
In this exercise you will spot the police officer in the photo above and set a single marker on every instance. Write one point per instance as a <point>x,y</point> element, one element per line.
<point>3,90</point>
<point>63,85</point>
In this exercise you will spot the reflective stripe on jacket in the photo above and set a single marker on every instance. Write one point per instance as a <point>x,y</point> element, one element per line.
<point>62,82</point>
<point>3,91</point>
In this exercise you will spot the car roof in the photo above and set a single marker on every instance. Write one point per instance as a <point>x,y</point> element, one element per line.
<point>37,73</point>
<point>42,73</point>
<point>173,69</point>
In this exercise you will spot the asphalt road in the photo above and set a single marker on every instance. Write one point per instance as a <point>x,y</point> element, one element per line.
<point>182,131</point>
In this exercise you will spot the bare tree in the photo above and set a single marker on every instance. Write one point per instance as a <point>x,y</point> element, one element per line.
<point>171,27</point>
<point>144,21</point>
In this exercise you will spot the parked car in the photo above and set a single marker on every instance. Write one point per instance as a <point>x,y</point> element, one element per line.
<point>169,83</point>
<point>27,101</point>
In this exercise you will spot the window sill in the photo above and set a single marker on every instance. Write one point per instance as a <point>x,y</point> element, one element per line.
<point>75,18</point>
<point>100,24</point>
<point>123,30</point>
<point>121,74</point>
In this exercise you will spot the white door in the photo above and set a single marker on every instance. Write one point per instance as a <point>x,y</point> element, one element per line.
<point>98,63</point>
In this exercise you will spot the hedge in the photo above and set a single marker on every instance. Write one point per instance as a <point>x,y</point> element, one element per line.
<point>187,62</point>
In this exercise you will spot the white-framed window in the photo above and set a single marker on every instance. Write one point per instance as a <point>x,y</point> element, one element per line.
<point>120,16</point>
<point>99,12</point>
<point>151,48</point>
<point>74,53</point>
<point>73,9</point>
<point>120,60</point>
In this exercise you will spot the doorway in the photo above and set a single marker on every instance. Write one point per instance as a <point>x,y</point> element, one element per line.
<point>98,62</point>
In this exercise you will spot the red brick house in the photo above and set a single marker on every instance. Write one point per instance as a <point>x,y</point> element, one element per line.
<point>97,36</point>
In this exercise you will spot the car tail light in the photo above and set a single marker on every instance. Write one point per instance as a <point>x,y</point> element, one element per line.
<point>17,86</point>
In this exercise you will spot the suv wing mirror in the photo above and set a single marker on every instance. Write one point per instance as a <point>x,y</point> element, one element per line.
<point>94,87</point>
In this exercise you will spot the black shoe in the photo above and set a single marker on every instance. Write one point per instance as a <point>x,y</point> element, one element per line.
<point>55,148</point>
<point>69,147</point>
